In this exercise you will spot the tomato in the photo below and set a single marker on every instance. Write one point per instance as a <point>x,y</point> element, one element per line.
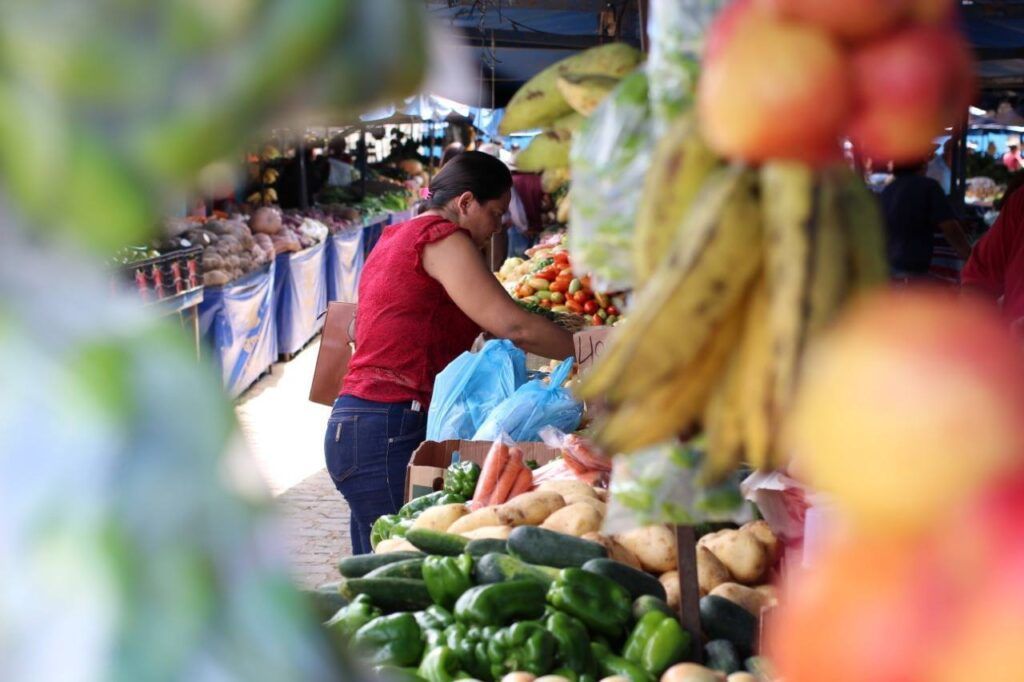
<point>559,286</point>
<point>561,258</point>
<point>545,303</point>
<point>590,307</point>
<point>581,296</point>
<point>565,272</point>
<point>557,298</point>
<point>523,291</point>
<point>586,281</point>
<point>547,273</point>
<point>612,310</point>
<point>597,321</point>
<point>573,306</point>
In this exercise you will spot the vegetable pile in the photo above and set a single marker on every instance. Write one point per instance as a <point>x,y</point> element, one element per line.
<point>545,281</point>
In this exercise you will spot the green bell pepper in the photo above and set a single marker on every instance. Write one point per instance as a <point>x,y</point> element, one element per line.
<point>573,651</point>
<point>603,605</point>
<point>440,665</point>
<point>433,622</point>
<point>387,527</point>
<point>501,603</point>
<point>390,640</point>
<point>461,479</point>
<point>525,646</point>
<point>447,577</point>
<point>612,665</point>
<point>391,673</point>
<point>349,619</point>
<point>656,643</point>
<point>416,507</point>
<point>470,646</point>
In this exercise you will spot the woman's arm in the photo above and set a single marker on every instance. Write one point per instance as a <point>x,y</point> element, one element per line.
<point>457,265</point>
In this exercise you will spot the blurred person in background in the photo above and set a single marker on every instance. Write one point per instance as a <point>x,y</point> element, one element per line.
<point>425,295</point>
<point>995,269</point>
<point>451,151</point>
<point>527,213</point>
<point>940,169</point>
<point>991,151</point>
<point>915,207</point>
<point>341,171</point>
<point>1011,159</point>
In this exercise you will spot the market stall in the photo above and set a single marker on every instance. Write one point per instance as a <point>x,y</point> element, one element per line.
<point>373,227</point>
<point>344,265</point>
<point>300,296</point>
<point>239,324</point>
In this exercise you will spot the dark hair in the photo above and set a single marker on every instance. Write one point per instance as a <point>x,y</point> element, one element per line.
<point>482,174</point>
<point>451,151</point>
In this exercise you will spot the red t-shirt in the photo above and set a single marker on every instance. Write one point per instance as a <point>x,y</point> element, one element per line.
<point>997,263</point>
<point>407,327</point>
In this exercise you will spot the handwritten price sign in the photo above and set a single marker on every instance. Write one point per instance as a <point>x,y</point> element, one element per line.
<point>590,345</point>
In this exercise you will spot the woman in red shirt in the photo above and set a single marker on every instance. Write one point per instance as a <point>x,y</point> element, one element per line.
<point>425,295</point>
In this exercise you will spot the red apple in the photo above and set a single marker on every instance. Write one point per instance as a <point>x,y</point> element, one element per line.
<point>909,407</point>
<point>849,20</point>
<point>774,90</point>
<point>908,88</point>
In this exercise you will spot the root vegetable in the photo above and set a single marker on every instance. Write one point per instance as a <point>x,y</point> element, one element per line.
<point>710,571</point>
<point>654,546</point>
<point>670,581</point>
<point>489,533</point>
<point>575,519</point>
<point>747,597</point>
<point>394,545</point>
<point>691,672</point>
<point>597,504</point>
<point>567,488</point>
<point>530,509</point>
<point>440,518</point>
<point>518,677</point>
<point>741,677</point>
<point>769,595</point>
<point>763,532</point>
<point>488,516</point>
<point>741,553</point>
<point>615,551</point>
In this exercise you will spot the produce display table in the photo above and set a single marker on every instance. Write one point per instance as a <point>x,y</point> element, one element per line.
<point>300,296</point>
<point>344,265</point>
<point>372,229</point>
<point>185,306</point>
<point>240,326</point>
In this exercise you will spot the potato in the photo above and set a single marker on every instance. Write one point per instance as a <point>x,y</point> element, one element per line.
<point>601,494</point>
<point>769,595</point>
<point>741,553</point>
<point>394,545</point>
<point>488,533</point>
<point>568,487</point>
<point>597,504</point>
<point>615,550</point>
<point>576,520</point>
<point>530,509</point>
<point>488,516</point>
<point>741,595</point>
<point>763,532</point>
<point>710,571</point>
<point>654,546</point>
<point>691,672</point>
<point>552,678</point>
<point>518,677</point>
<point>741,677</point>
<point>615,678</point>
<point>670,581</point>
<point>440,518</point>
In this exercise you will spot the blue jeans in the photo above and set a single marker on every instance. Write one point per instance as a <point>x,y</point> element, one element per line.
<point>367,446</point>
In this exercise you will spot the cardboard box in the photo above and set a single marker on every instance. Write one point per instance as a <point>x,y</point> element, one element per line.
<point>590,344</point>
<point>425,472</point>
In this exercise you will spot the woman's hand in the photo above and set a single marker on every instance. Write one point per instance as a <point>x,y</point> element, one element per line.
<point>456,263</point>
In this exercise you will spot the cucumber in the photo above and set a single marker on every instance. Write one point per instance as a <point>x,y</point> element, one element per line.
<point>636,582</point>
<point>390,594</point>
<point>436,542</point>
<point>483,546</point>
<point>410,568</point>
<point>499,568</point>
<point>721,655</point>
<point>326,600</point>
<point>722,619</point>
<point>646,603</point>
<point>360,565</point>
<point>545,547</point>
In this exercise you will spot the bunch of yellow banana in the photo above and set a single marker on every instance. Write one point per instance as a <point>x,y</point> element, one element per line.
<point>739,268</point>
<point>558,100</point>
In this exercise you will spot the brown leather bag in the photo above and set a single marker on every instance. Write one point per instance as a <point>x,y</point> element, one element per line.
<point>337,344</point>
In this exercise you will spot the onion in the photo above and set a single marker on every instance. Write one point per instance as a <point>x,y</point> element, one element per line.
<point>266,220</point>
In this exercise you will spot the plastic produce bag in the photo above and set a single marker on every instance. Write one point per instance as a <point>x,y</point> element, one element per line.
<point>661,485</point>
<point>471,387</point>
<point>676,30</point>
<point>533,406</point>
<point>580,460</point>
<point>609,158</point>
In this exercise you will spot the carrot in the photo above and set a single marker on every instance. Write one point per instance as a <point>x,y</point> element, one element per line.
<point>508,477</point>
<point>494,464</point>
<point>524,481</point>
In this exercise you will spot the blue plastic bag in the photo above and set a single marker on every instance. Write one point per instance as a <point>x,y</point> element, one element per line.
<point>471,387</point>
<point>533,406</point>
